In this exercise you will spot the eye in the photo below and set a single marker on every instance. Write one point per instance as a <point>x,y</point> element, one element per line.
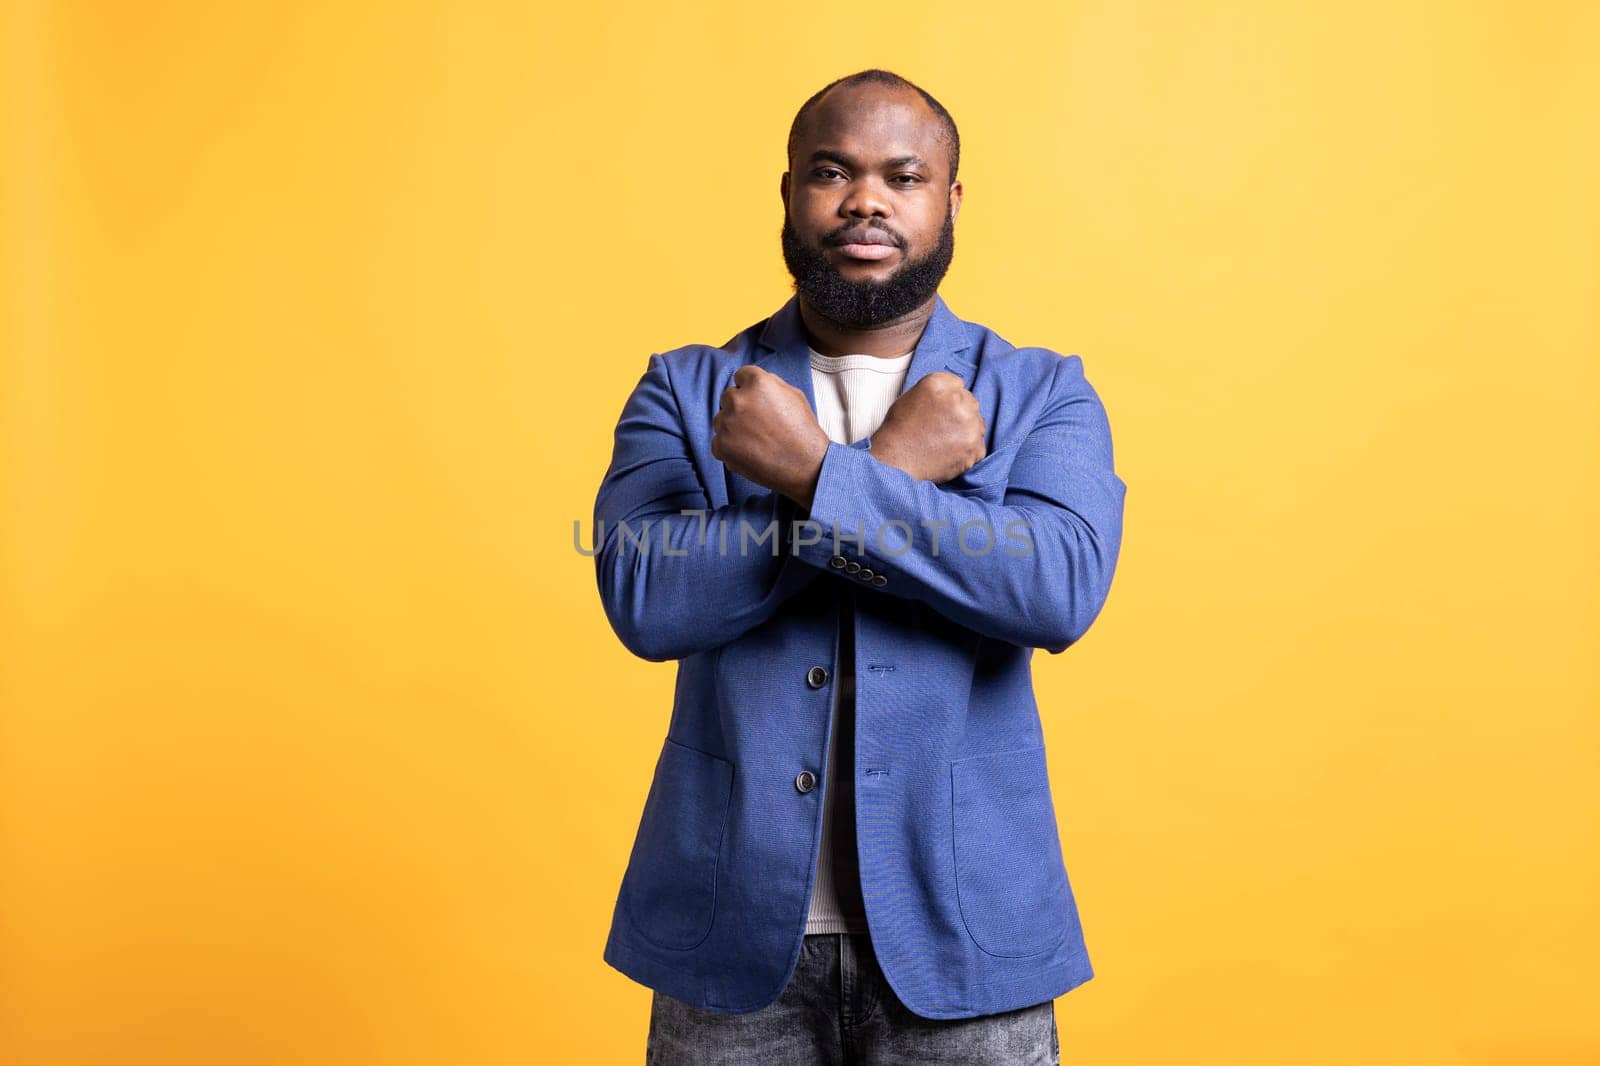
<point>823,171</point>
<point>914,178</point>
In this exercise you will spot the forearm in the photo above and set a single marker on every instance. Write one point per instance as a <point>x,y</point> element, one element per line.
<point>676,584</point>
<point>1030,562</point>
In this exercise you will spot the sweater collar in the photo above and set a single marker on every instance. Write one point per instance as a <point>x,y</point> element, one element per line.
<point>787,352</point>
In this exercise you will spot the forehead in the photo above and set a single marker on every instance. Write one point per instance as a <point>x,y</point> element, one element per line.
<point>871,122</point>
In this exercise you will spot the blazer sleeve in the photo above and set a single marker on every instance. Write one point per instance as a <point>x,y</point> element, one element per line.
<point>1052,540</point>
<point>674,584</point>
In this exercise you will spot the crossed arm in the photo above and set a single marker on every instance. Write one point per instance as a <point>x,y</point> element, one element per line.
<point>702,579</point>
<point>675,584</point>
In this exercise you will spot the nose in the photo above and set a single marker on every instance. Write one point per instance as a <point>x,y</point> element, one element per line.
<point>865,199</point>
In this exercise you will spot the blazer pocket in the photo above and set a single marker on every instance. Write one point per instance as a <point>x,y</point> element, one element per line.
<point>1011,881</point>
<point>670,886</point>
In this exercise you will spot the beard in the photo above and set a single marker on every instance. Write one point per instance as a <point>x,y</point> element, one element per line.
<point>865,304</point>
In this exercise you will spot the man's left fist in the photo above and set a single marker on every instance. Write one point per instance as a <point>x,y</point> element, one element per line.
<point>766,431</point>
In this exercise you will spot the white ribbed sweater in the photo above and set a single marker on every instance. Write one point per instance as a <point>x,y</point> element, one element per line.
<point>853,393</point>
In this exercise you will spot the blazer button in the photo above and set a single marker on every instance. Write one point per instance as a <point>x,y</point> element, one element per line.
<point>879,580</point>
<point>817,676</point>
<point>805,781</point>
<point>837,562</point>
<point>851,567</point>
<point>865,575</point>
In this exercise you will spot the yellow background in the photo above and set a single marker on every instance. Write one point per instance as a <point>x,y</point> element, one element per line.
<point>316,746</point>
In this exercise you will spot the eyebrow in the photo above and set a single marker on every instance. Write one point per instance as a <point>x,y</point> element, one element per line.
<point>832,156</point>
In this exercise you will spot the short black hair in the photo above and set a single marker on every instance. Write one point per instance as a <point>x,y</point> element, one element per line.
<point>874,76</point>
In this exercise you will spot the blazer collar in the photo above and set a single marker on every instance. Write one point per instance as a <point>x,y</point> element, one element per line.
<point>787,352</point>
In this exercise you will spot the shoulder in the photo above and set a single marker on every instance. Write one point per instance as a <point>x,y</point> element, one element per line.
<point>1035,366</point>
<point>715,361</point>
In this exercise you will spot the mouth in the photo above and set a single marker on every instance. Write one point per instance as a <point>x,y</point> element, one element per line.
<point>868,252</point>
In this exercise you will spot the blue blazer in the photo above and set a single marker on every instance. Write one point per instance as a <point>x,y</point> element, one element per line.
<point>966,892</point>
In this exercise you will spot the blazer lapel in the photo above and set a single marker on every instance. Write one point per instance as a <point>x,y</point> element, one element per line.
<point>785,351</point>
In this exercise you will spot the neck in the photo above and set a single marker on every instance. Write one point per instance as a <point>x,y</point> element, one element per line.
<point>892,338</point>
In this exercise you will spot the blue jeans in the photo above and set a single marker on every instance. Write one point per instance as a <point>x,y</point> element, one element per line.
<point>837,1010</point>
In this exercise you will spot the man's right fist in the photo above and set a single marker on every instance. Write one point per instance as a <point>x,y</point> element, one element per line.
<point>765,431</point>
<point>934,430</point>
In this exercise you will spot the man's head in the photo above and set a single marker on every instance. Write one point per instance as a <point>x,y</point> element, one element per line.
<point>872,158</point>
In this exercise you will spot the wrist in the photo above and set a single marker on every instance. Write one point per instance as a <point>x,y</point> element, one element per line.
<point>802,487</point>
<point>882,450</point>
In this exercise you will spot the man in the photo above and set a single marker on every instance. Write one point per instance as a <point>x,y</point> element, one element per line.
<point>851,525</point>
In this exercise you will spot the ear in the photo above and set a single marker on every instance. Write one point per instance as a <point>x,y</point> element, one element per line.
<point>955,200</point>
<point>783,190</point>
